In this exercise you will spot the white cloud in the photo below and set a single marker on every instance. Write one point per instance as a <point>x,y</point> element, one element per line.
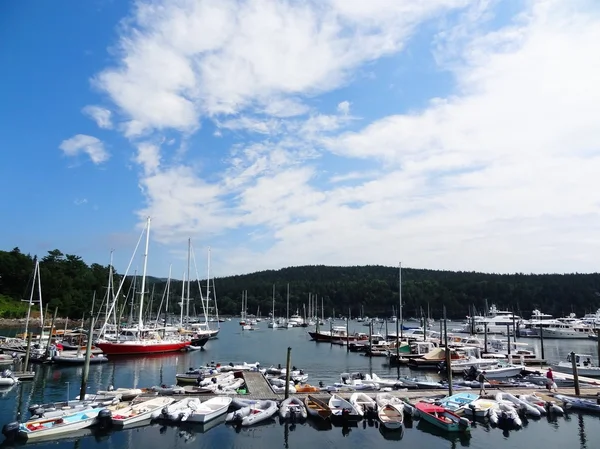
<point>180,59</point>
<point>100,115</point>
<point>148,156</point>
<point>80,201</point>
<point>89,145</point>
<point>499,176</point>
<point>344,107</point>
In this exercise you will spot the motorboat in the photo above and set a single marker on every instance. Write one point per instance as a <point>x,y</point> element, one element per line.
<point>253,414</point>
<point>442,418</point>
<point>140,412</point>
<point>458,401</point>
<point>363,403</point>
<point>342,409</point>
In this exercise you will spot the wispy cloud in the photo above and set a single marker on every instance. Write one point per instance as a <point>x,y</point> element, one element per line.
<point>80,201</point>
<point>85,144</point>
<point>483,178</point>
<point>102,116</point>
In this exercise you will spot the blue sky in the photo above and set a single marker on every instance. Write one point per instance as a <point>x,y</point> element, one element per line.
<point>446,134</point>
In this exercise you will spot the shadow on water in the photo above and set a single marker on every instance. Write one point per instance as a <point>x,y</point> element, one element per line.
<point>320,425</point>
<point>391,435</point>
<point>464,438</point>
<point>581,432</point>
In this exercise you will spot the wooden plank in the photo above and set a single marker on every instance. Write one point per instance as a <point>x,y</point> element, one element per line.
<point>257,384</point>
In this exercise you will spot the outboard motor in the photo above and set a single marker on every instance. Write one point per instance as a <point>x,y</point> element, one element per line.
<point>464,422</point>
<point>345,414</point>
<point>11,431</point>
<point>292,415</point>
<point>321,384</point>
<point>38,412</point>
<point>104,419</point>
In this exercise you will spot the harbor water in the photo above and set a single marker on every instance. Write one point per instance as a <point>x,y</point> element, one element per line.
<point>322,361</point>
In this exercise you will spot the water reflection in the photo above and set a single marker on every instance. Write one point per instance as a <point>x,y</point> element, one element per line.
<point>391,435</point>
<point>463,437</point>
<point>581,432</point>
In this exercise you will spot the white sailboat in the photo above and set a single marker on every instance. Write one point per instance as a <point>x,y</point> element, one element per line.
<point>273,324</point>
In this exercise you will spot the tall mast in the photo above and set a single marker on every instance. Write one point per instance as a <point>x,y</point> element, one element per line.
<point>189,276</point>
<point>288,303</point>
<point>35,272</point>
<point>207,288</point>
<point>400,295</point>
<point>182,300</point>
<point>109,288</point>
<point>273,312</point>
<point>168,292</point>
<point>140,321</point>
<point>39,279</point>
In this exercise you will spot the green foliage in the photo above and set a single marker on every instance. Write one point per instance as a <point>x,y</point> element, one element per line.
<point>9,308</point>
<point>69,284</point>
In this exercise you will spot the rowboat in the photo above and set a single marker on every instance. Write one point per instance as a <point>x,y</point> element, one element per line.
<point>390,416</point>
<point>341,408</point>
<point>57,427</point>
<point>317,408</point>
<point>442,418</point>
<point>458,401</point>
<point>207,410</point>
<point>363,403</point>
<point>140,412</point>
<point>480,408</point>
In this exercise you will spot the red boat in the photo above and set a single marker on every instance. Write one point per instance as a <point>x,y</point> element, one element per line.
<point>142,347</point>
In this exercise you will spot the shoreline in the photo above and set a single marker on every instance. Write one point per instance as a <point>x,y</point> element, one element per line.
<point>20,322</point>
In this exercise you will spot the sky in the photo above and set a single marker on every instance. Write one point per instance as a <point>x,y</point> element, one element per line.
<point>443,134</point>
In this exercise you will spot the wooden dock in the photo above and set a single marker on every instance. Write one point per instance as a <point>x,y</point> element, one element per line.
<point>258,386</point>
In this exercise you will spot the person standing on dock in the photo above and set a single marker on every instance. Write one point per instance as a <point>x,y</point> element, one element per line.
<point>482,380</point>
<point>550,384</point>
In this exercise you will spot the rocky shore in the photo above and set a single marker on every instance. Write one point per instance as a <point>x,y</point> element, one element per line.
<point>20,322</point>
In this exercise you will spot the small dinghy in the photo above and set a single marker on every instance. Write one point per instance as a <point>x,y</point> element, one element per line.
<point>126,394</point>
<point>342,409</point>
<point>140,412</point>
<point>317,408</point>
<point>505,413</point>
<point>526,407</point>
<point>363,403</point>
<point>383,399</point>
<point>207,410</point>
<point>253,414</point>
<point>175,411</point>
<point>391,416</point>
<point>60,409</point>
<point>545,404</point>
<point>442,418</point>
<point>58,427</point>
<point>480,408</point>
<point>578,403</point>
<point>168,390</point>
<point>79,359</point>
<point>292,408</point>
<point>458,401</point>
<point>7,379</point>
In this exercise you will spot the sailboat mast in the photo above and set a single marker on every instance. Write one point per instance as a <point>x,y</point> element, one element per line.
<point>168,292</point>
<point>187,309</point>
<point>400,296</point>
<point>207,288</point>
<point>35,272</point>
<point>182,300</point>
<point>140,321</point>
<point>288,303</point>
<point>39,279</point>
<point>322,311</point>
<point>273,312</point>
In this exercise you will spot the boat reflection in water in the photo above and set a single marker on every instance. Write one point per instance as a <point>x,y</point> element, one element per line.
<point>187,431</point>
<point>391,435</point>
<point>463,437</point>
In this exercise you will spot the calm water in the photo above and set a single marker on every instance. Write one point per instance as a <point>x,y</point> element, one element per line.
<point>322,362</point>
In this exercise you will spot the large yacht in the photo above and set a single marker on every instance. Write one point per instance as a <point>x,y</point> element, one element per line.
<point>567,327</point>
<point>496,321</point>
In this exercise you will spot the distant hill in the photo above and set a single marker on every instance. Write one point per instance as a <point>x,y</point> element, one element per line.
<point>69,284</point>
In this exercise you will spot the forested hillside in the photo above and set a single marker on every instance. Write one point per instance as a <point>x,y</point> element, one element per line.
<point>69,284</point>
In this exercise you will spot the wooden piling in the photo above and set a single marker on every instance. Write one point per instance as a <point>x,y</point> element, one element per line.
<point>288,364</point>
<point>86,366</point>
<point>542,344</point>
<point>47,353</point>
<point>485,340</point>
<point>348,332</point>
<point>28,351</point>
<point>575,374</point>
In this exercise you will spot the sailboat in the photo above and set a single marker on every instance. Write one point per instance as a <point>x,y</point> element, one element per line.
<point>273,323</point>
<point>146,341</point>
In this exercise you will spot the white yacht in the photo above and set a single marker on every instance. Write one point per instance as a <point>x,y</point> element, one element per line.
<point>496,322</point>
